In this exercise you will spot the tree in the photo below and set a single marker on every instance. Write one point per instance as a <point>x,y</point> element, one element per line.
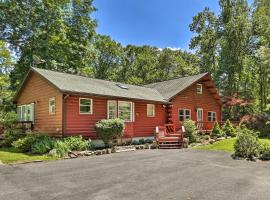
<point>5,68</point>
<point>48,34</point>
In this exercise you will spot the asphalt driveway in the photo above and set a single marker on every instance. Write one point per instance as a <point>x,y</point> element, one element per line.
<point>150,174</point>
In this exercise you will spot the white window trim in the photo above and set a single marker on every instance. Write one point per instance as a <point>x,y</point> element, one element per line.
<point>131,112</point>
<point>212,116</point>
<point>200,85</point>
<point>52,99</point>
<point>91,107</point>
<point>24,115</point>
<point>184,113</point>
<point>154,110</point>
<point>108,102</point>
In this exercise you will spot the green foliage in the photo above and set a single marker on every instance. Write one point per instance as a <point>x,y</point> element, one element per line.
<point>43,145</point>
<point>109,129</point>
<point>247,144</point>
<point>148,141</point>
<point>142,141</point>
<point>8,119</point>
<point>216,132</point>
<point>190,129</point>
<point>265,152</point>
<point>228,129</point>
<point>10,136</point>
<point>61,148</point>
<point>25,144</point>
<point>97,144</point>
<point>76,143</point>
<point>135,142</point>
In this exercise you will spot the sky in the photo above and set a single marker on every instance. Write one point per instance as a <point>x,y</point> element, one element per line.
<point>160,23</point>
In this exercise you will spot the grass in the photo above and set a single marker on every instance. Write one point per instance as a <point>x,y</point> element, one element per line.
<point>225,145</point>
<point>10,155</point>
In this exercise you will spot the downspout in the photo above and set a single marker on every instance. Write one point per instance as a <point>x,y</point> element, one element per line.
<point>64,114</point>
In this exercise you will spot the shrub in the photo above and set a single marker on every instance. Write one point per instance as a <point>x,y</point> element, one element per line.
<point>76,143</point>
<point>43,146</point>
<point>135,142</point>
<point>190,129</point>
<point>265,152</point>
<point>109,129</point>
<point>97,144</point>
<point>247,144</point>
<point>142,141</point>
<point>216,132</point>
<point>148,141</point>
<point>228,129</point>
<point>61,148</point>
<point>10,136</point>
<point>25,144</point>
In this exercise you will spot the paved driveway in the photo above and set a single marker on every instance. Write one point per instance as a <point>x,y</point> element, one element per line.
<point>150,174</point>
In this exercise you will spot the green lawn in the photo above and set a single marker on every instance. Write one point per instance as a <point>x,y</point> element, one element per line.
<point>225,145</point>
<point>9,155</point>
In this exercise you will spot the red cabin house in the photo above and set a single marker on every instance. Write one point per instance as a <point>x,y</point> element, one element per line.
<point>64,104</point>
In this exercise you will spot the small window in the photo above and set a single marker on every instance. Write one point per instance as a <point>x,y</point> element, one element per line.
<point>112,109</point>
<point>125,110</point>
<point>212,116</point>
<point>184,114</point>
<point>150,110</point>
<point>85,106</point>
<point>52,105</point>
<point>199,88</point>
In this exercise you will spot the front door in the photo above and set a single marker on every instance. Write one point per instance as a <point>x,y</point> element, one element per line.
<point>199,118</point>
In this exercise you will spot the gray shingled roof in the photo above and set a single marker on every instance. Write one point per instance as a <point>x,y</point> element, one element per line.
<point>79,84</point>
<point>170,88</point>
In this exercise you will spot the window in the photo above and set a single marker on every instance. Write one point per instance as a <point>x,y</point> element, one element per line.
<point>112,109</point>
<point>199,88</point>
<point>52,105</point>
<point>212,116</point>
<point>86,106</point>
<point>184,114</point>
<point>125,110</point>
<point>150,110</point>
<point>26,112</point>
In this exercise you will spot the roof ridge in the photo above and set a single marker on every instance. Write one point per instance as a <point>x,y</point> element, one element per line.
<point>177,78</point>
<point>98,79</point>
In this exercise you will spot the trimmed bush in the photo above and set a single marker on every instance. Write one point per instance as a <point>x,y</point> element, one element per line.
<point>25,144</point>
<point>109,129</point>
<point>228,129</point>
<point>76,143</point>
<point>97,144</point>
<point>135,142</point>
<point>216,132</point>
<point>43,146</point>
<point>247,144</point>
<point>190,129</point>
<point>10,136</point>
<point>61,148</point>
<point>265,152</point>
<point>148,141</point>
<point>142,141</point>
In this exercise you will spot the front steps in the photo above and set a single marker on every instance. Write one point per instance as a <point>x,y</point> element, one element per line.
<point>170,142</point>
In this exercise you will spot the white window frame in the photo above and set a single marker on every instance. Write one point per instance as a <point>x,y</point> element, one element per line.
<point>184,114</point>
<point>116,108</point>
<point>91,107</point>
<point>25,115</point>
<point>212,113</point>
<point>51,112</point>
<point>148,106</point>
<point>131,119</point>
<point>199,88</point>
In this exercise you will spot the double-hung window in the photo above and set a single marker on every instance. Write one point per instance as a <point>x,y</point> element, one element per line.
<point>150,110</point>
<point>112,109</point>
<point>85,106</point>
<point>52,105</point>
<point>212,116</point>
<point>184,114</point>
<point>125,110</point>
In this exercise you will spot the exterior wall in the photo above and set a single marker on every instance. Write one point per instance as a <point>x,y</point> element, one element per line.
<point>37,90</point>
<point>83,124</point>
<point>189,99</point>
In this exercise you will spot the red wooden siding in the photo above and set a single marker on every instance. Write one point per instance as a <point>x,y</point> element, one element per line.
<point>83,124</point>
<point>37,90</point>
<point>189,99</point>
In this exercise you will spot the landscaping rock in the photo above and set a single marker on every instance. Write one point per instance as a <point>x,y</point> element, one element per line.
<point>185,142</point>
<point>103,151</point>
<point>211,141</point>
<point>109,151</point>
<point>52,152</point>
<point>72,155</point>
<point>221,138</point>
<point>98,152</point>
